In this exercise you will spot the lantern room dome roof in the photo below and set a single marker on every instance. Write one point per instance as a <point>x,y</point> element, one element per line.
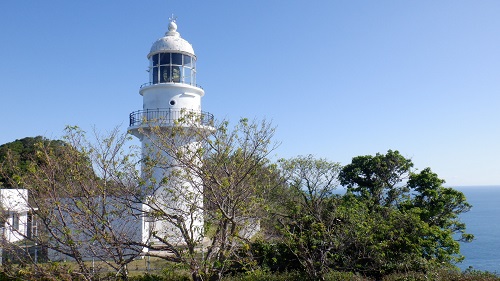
<point>171,42</point>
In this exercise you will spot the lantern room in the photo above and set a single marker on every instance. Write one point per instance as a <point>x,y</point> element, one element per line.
<point>172,59</point>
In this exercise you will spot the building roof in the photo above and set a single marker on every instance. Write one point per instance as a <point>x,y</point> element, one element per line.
<point>171,42</point>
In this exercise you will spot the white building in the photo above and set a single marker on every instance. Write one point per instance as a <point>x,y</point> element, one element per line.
<point>170,94</point>
<point>16,223</point>
<point>126,220</point>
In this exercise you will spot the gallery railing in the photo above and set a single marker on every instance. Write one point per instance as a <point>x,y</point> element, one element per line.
<point>170,116</point>
<point>170,82</point>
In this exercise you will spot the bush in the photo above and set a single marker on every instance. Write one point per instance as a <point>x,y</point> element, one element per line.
<point>471,274</point>
<point>443,274</point>
<point>341,276</point>
<point>147,277</point>
<point>263,275</point>
<point>275,257</point>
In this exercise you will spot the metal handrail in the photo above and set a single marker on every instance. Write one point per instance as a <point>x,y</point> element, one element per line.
<point>170,116</point>
<point>151,83</point>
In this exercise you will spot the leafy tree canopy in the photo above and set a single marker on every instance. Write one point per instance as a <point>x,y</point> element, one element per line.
<point>392,219</point>
<point>377,177</point>
<point>22,152</point>
<point>388,182</point>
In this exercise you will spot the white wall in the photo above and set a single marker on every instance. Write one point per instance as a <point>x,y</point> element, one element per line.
<point>14,204</point>
<point>128,223</point>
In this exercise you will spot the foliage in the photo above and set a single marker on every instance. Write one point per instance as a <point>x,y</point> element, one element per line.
<point>397,194</point>
<point>308,227</point>
<point>219,175</point>
<point>377,178</point>
<point>439,206</point>
<point>390,220</point>
<point>236,178</point>
<point>23,152</point>
<point>47,271</point>
<point>223,211</point>
<point>75,194</point>
<point>149,277</point>
<point>273,256</point>
<point>262,275</point>
<point>443,274</point>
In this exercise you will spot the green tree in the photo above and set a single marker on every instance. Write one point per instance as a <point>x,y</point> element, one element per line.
<point>389,185</point>
<point>310,221</point>
<point>375,241</point>
<point>23,152</point>
<point>440,208</point>
<point>327,231</point>
<point>391,219</point>
<point>440,205</point>
<point>378,178</point>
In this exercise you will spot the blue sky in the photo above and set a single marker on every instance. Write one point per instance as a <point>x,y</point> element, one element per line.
<point>338,78</point>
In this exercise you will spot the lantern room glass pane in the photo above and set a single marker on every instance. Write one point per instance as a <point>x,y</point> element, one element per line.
<point>154,59</point>
<point>187,60</point>
<point>165,58</point>
<point>165,74</point>
<point>177,59</point>
<point>155,75</point>
<point>176,74</point>
<point>187,75</point>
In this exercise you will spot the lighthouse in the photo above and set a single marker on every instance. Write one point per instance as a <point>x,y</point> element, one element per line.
<point>171,101</point>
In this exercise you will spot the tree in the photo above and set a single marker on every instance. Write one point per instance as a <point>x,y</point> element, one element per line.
<point>310,220</point>
<point>81,194</point>
<point>378,178</point>
<point>391,219</point>
<point>440,208</point>
<point>220,173</point>
<point>23,151</point>
<point>76,194</point>
<point>327,231</point>
<point>389,185</point>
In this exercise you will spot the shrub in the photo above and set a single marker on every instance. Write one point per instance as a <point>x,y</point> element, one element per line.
<point>264,275</point>
<point>342,276</point>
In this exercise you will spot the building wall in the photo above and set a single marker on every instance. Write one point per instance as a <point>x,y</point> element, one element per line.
<point>14,204</point>
<point>128,223</point>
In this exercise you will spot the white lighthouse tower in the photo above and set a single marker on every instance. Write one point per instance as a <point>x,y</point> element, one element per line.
<point>170,95</point>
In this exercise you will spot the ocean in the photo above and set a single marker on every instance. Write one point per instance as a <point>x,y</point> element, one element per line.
<point>483,220</point>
